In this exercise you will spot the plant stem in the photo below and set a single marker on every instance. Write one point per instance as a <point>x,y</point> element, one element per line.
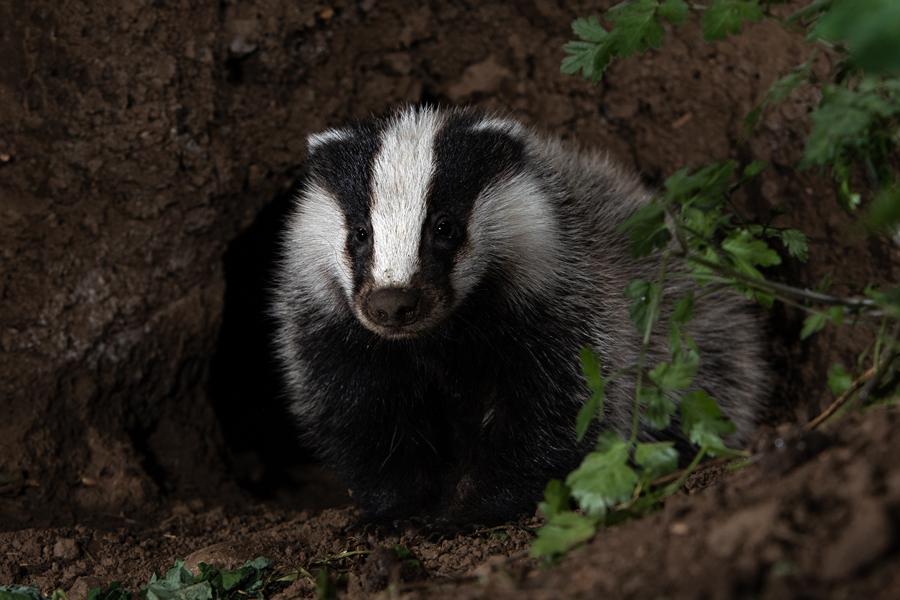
<point>771,286</point>
<point>648,328</point>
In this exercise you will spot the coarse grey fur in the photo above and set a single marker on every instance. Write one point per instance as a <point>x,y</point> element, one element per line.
<point>434,363</point>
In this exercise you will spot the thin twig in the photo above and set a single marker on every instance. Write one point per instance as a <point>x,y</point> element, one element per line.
<point>840,401</point>
<point>766,285</point>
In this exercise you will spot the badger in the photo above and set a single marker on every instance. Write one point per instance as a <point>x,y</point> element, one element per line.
<point>440,272</point>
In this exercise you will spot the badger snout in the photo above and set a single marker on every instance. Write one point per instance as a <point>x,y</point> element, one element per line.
<point>393,306</point>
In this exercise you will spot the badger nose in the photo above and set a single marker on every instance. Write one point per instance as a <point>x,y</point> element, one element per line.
<point>393,306</point>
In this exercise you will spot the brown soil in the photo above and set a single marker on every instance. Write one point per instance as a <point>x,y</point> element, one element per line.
<point>147,150</point>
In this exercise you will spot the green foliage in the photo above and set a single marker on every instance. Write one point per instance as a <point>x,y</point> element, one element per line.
<point>855,130</point>
<point>593,408</point>
<point>604,478</point>
<point>252,580</point>
<point>839,380</point>
<point>726,16</point>
<point>872,27</point>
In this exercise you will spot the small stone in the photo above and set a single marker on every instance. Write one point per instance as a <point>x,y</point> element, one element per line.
<point>66,549</point>
<point>82,586</point>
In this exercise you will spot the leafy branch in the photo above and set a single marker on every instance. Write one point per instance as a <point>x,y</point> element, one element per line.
<point>855,130</point>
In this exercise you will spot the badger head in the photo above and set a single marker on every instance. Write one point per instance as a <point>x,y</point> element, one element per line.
<point>402,218</point>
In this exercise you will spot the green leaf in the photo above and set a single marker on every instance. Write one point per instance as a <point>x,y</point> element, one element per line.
<point>115,591</point>
<point>701,273</point>
<point>593,408</point>
<point>871,26</point>
<point>724,16</point>
<point>636,26</point>
<point>20,592</point>
<point>561,532</point>
<point>753,169</point>
<point>812,324</point>
<point>590,29</point>
<point>592,55</point>
<point>746,251</point>
<point>780,89</point>
<point>703,189</point>
<point>674,11</point>
<point>702,422</point>
<point>683,309</point>
<point>556,498</point>
<point>839,380</point>
<point>657,460</point>
<point>659,409</point>
<point>676,375</point>
<point>604,478</point>
<point>884,213</point>
<point>796,244</point>
<point>648,229</point>
<point>847,121</point>
<point>640,310</point>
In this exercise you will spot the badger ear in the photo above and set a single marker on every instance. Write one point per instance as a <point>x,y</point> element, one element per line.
<point>499,125</point>
<point>315,141</point>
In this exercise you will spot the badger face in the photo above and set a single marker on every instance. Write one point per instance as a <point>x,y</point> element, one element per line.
<point>402,218</point>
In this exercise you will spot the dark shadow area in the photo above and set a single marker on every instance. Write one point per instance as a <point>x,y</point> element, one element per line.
<point>245,387</point>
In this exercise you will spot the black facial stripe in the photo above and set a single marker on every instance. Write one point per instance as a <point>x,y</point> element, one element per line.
<point>344,166</point>
<point>467,161</point>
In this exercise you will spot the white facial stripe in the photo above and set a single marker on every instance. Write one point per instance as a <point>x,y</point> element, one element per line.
<point>511,221</point>
<point>402,171</point>
<point>316,249</point>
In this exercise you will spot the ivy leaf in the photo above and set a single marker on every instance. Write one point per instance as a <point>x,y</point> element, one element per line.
<point>604,478</point>
<point>839,380</point>
<point>639,312</point>
<point>674,11</point>
<point>656,460</point>
<point>796,243</point>
<point>593,408</point>
<point>702,422</point>
<point>636,26</point>
<point>724,16</point>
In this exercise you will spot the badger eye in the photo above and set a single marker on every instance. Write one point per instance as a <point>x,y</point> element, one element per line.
<point>444,229</point>
<point>361,234</point>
